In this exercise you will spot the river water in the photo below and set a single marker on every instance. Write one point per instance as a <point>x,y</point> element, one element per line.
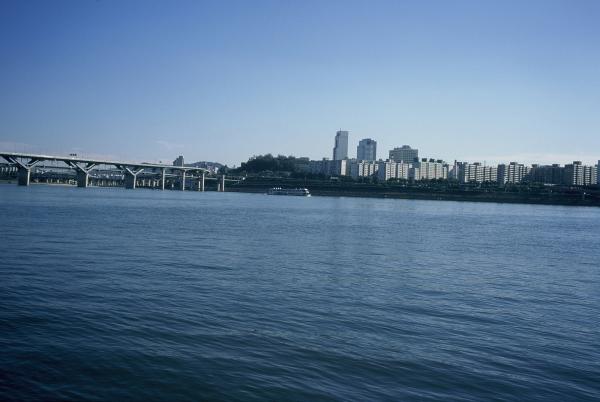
<point>113,294</point>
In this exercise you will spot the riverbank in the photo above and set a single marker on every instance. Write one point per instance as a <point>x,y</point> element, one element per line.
<point>517,195</point>
<point>522,195</point>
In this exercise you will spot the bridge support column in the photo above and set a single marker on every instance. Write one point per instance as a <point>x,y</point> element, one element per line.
<point>83,173</point>
<point>130,176</point>
<point>201,184</point>
<point>24,176</point>
<point>182,180</point>
<point>83,179</point>
<point>163,178</point>
<point>130,180</point>
<point>23,169</point>
<point>223,183</point>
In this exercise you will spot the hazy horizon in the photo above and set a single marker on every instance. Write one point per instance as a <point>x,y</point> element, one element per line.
<point>223,81</point>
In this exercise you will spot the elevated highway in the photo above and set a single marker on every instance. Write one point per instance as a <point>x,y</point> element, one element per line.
<point>193,176</point>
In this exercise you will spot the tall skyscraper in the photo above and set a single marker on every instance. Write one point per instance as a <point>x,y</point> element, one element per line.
<point>404,154</point>
<point>366,150</point>
<point>340,150</point>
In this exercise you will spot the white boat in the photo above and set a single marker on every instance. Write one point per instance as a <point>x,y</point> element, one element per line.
<point>302,192</point>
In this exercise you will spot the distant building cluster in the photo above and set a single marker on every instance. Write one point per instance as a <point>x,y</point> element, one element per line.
<point>403,163</point>
<point>212,167</point>
<point>178,161</point>
<point>330,167</point>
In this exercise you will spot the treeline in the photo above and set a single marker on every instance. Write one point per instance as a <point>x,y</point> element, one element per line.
<point>268,162</point>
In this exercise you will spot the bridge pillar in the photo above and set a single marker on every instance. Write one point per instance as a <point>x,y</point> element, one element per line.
<point>130,176</point>
<point>23,169</point>
<point>24,176</point>
<point>182,180</point>
<point>223,183</point>
<point>83,173</point>
<point>82,179</point>
<point>130,181</point>
<point>198,183</point>
<point>163,178</point>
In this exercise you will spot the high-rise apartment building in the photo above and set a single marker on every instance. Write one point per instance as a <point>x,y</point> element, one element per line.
<point>573,174</point>
<point>340,150</point>
<point>474,172</point>
<point>393,170</point>
<point>363,168</point>
<point>512,173</point>
<point>178,161</point>
<point>366,150</point>
<point>404,154</point>
<point>430,170</point>
<point>490,174</point>
<point>589,175</point>
<point>329,167</point>
<point>387,170</point>
<point>598,173</point>
<point>549,174</point>
<point>578,174</point>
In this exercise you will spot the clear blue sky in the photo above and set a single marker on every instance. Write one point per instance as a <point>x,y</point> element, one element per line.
<point>147,80</point>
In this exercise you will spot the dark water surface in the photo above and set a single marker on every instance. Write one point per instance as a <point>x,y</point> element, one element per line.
<point>109,294</point>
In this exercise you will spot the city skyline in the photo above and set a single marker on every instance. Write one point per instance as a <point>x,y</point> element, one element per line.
<point>404,163</point>
<point>139,80</point>
<point>524,158</point>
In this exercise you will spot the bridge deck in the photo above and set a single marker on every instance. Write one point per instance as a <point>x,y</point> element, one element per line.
<point>99,161</point>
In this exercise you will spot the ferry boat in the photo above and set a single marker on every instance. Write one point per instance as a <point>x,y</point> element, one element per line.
<point>302,192</point>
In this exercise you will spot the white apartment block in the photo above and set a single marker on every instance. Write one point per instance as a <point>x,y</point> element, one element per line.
<point>466,172</point>
<point>490,174</point>
<point>414,173</point>
<point>578,174</point>
<point>512,173</point>
<point>574,174</point>
<point>590,175</point>
<point>360,168</point>
<point>430,170</point>
<point>393,170</point>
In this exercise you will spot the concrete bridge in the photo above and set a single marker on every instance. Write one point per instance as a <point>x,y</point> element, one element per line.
<point>24,163</point>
